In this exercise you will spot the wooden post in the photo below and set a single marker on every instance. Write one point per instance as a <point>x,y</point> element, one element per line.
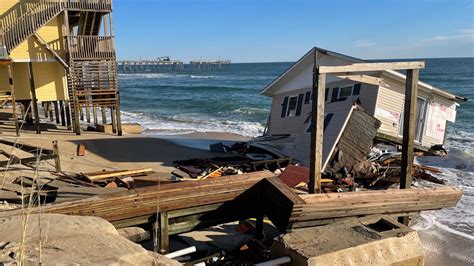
<point>57,161</point>
<point>68,116</point>
<point>12,92</point>
<point>104,116</point>
<point>56,112</point>
<point>50,108</point>
<point>164,236</point>
<point>94,113</point>
<point>112,117</point>
<point>61,108</point>
<point>409,124</point>
<point>88,115</point>
<point>317,121</point>
<point>45,109</point>
<point>117,113</point>
<point>81,113</point>
<point>34,100</point>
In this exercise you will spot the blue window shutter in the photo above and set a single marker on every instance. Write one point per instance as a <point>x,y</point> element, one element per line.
<point>307,97</point>
<point>327,119</point>
<point>335,92</point>
<point>300,103</point>
<point>356,90</point>
<point>284,105</point>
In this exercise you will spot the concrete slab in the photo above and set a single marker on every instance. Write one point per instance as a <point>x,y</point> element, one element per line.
<point>366,241</point>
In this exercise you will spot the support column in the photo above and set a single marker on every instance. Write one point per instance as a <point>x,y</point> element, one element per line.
<point>117,113</point>
<point>112,117</point>
<point>94,113</point>
<point>12,92</point>
<point>104,116</point>
<point>50,109</point>
<point>88,115</point>
<point>68,116</point>
<point>61,108</point>
<point>56,112</point>
<point>317,132</point>
<point>34,100</point>
<point>408,142</point>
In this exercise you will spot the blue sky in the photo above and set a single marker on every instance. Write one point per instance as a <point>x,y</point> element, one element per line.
<point>277,30</point>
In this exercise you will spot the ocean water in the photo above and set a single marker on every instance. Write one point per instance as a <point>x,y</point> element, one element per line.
<point>229,100</point>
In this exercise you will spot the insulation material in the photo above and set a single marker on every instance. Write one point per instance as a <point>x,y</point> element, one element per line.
<point>436,120</point>
<point>393,116</point>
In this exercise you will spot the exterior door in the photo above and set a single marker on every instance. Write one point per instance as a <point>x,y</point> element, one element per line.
<point>420,119</point>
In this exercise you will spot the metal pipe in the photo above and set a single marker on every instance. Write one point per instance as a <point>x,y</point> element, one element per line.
<point>181,252</point>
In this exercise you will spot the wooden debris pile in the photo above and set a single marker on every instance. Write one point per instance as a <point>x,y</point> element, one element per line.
<point>200,169</point>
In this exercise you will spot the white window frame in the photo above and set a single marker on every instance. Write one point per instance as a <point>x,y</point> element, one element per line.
<point>343,87</point>
<point>288,105</point>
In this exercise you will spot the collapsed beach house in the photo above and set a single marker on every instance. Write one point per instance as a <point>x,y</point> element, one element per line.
<point>59,53</point>
<point>367,104</point>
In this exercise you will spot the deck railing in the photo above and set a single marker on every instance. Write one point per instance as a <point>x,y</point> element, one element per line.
<point>91,47</point>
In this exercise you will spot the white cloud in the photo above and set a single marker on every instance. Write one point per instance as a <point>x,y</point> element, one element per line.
<point>459,35</point>
<point>364,43</point>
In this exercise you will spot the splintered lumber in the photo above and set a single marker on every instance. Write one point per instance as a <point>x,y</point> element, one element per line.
<point>150,200</point>
<point>352,204</point>
<point>112,174</point>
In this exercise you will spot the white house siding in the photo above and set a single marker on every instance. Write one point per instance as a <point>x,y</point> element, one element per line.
<point>390,100</point>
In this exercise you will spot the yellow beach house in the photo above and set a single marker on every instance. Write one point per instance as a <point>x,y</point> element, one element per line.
<point>60,54</point>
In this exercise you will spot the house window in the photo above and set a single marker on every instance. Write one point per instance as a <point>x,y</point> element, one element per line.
<point>345,92</point>
<point>348,91</point>
<point>292,106</point>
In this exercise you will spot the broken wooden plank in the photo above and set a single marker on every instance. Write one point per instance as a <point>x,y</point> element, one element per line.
<point>112,174</point>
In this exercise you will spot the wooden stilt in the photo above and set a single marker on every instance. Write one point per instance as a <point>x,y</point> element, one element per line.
<point>88,115</point>
<point>23,111</point>
<point>12,92</point>
<point>112,117</point>
<point>34,100</point>
<point>94,113</point>
<point>50,110</point>
<point>81,111</point>
<point>56,112</point>
<point>104,116</point>
<point>317,120</point>
<point>117,113</point>
<point>408,142</point>
<point>68,115</point>
<point>61,108</point>
<point>45,109</point>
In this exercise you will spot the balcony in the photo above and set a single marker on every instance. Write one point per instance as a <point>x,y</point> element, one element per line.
<point>91,47</point>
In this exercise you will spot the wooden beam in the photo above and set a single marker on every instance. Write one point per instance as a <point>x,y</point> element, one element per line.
<point>34,100</point>
<point>48,47</point>
<point>317,132</point>
<point>366,67</point>
<point>362,78</point>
